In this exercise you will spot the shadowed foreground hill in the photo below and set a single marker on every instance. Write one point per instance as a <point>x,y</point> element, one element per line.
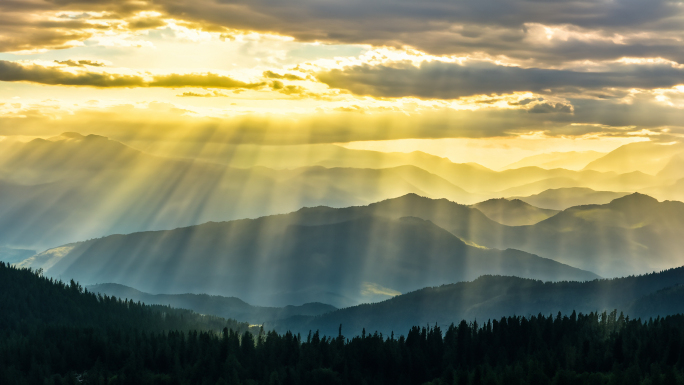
<point>57,334</point>
<point>226,307</point>
<point>492,297</point>
<point>286,259</point>
<point>30,301</point>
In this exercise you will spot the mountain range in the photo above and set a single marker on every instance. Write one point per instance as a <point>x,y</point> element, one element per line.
<point>365,253</point>
<point>226,307</point>
<point>74,187</point>
<point>308,256</point>
<point>493,297</point>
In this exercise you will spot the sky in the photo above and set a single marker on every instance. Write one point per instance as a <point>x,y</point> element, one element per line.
<point>472,80</point>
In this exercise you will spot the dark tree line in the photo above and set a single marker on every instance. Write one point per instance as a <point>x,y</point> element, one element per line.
<point>56,333</point>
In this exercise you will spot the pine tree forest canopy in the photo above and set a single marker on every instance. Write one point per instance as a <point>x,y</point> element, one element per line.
<point>56,333</point>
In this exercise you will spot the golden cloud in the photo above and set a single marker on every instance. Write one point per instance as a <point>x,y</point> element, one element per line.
<point>34,73</point>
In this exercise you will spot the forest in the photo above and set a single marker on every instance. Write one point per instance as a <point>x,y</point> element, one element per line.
<point>58,333</point>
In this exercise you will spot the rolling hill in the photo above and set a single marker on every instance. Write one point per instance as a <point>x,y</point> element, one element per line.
<point>226,307</point>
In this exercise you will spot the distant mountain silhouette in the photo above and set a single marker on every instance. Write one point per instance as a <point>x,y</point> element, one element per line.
<point>493,297</point>
<point>74,187</point>
<point>674,169</point>
<point>226,307</point>
<point>337,256</point>
<point>647,157</point>
<point>571,160</point>
<point>513,212</point>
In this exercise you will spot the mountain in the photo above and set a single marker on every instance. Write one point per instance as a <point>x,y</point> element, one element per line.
<point>673,191</point>
<point>31,302</point>
<point>471,177</point>
<point>563,198</point>
<point>286,259</point>
<point>634,234</point>
<point>513,212</point>
<point>571,160</point>
<point>74,187</point>
<point>493,297</point>
<point>226,307</point>
<point>674,169</point>
<point>647,157</point>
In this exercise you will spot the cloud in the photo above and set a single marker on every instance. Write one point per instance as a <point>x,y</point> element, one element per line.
<point>214,94</point>
<point>440,80</point>
<point>80,63</point>
<point>620,118</point>
<point>146,23</point>
<point>15,72</point>
<point>208,80</point>
<point>541,31</point>
<point>273,75</point>
<point>545,108</point>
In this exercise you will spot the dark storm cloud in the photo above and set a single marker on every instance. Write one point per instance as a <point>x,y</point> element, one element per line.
<point>499,27</point>
<point>439,80</point>
<point>15,72</point>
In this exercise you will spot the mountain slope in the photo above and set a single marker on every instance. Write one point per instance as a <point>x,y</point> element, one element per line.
<point>674,169</point>
<point>226,307</point>
<point>647,157</point>
<point>513,212</point>
<point>275,261</point>
<point>31,302</point>
<point>572,160</point>
<point>493,297</point>
<point>563,198</point>
<point>634,234</point>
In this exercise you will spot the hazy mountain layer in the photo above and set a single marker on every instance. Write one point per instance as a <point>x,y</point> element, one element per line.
<point>70,188</point>
<point>674,169</point>
<point>647,157</point>
<point>91,186</point>
<point>471,177</point>
<point>563,198</point>
<point>513,212</point>
<point>493,297</point>
<point>634,234</point>
<point>285,260</point>
<point>226,307</point>
<point>571,160</point>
